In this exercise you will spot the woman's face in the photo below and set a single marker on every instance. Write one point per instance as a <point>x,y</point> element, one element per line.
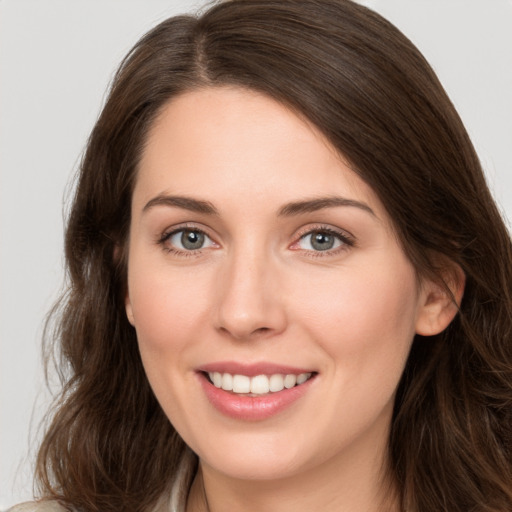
<point>256,258</point>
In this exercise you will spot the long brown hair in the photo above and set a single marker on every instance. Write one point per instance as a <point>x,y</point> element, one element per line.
<point>369,90</point>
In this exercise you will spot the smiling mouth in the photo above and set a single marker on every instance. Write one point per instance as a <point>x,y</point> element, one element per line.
<point>258,385</point>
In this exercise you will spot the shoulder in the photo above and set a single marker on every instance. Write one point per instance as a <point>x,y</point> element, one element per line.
<point>38,506</point>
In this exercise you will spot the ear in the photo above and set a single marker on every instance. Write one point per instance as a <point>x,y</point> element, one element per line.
<point>440,301</point>
<point>129,309</point>
<point>118,254</point>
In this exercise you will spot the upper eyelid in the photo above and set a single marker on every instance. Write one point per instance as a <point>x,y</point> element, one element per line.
<point>348,241</point>
<point>166,233</point>
<point>164,240</point>
<point>344,234</point>
<point>324,227</point>
<point>298,233</point>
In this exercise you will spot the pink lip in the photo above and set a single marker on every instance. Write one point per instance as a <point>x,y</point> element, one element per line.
<point>251,370</point>
<point>251,408</point>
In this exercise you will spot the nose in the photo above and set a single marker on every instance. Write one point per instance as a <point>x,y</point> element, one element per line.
<point>250,299</point>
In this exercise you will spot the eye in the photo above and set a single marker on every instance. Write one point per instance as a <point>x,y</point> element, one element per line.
<point>187,240</point>
<point>323,240</point>
<point>319,241</point>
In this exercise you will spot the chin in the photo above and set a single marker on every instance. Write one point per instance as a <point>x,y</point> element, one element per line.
<point>265,455</point>
<point>256,468</point>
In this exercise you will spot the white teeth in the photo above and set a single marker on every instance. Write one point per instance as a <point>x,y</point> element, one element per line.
<point>227,381</point>
<point>241,384</point>
<point>276,383</point>
<point>217,379</point>
<point>290,380</point>
<point>259,385</point>
<point>303,377</point>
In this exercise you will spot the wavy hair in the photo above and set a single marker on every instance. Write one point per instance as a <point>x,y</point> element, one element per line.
<point>108,445</point>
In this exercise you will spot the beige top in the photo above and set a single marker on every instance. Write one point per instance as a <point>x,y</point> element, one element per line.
<point>53,506</point>
<point>172,503</point>
<point>165,505</point>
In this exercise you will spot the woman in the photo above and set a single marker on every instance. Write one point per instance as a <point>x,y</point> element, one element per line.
<point>289,284</point>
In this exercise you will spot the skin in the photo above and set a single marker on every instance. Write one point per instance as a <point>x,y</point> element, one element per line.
<point>259,291</point>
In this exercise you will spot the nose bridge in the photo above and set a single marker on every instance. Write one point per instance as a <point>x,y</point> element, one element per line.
<point>249,301</point>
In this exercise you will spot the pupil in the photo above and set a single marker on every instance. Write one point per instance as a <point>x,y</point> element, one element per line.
<point>322,241</point>
<point>192,240</point>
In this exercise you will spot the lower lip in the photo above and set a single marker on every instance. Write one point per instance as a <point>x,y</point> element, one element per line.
<point>252,408</point>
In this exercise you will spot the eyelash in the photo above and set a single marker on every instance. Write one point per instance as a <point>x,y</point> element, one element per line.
<point>346,239</point>
<point>167,235</point>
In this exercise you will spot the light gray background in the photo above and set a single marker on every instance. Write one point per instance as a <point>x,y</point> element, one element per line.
<point>56,60</point>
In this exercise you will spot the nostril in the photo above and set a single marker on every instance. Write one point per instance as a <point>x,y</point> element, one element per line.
<point>261,330</point>
<point>248,334</point>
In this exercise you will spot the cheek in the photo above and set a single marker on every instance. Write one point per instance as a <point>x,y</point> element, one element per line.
<point>168,308</point>
<point>364,323</point>
<point>168,318</point>
<point>364,318</point>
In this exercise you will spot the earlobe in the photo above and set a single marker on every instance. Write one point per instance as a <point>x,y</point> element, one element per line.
<point>440,303</point>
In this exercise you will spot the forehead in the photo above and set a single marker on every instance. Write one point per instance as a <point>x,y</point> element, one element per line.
<point>237,144</point>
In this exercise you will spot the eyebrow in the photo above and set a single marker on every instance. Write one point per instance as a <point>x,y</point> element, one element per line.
<point>313,205</point>
<point>288,210</point>
<point>186,203</point>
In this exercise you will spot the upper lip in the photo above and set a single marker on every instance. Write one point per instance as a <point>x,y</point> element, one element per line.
<point>252,369</point>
